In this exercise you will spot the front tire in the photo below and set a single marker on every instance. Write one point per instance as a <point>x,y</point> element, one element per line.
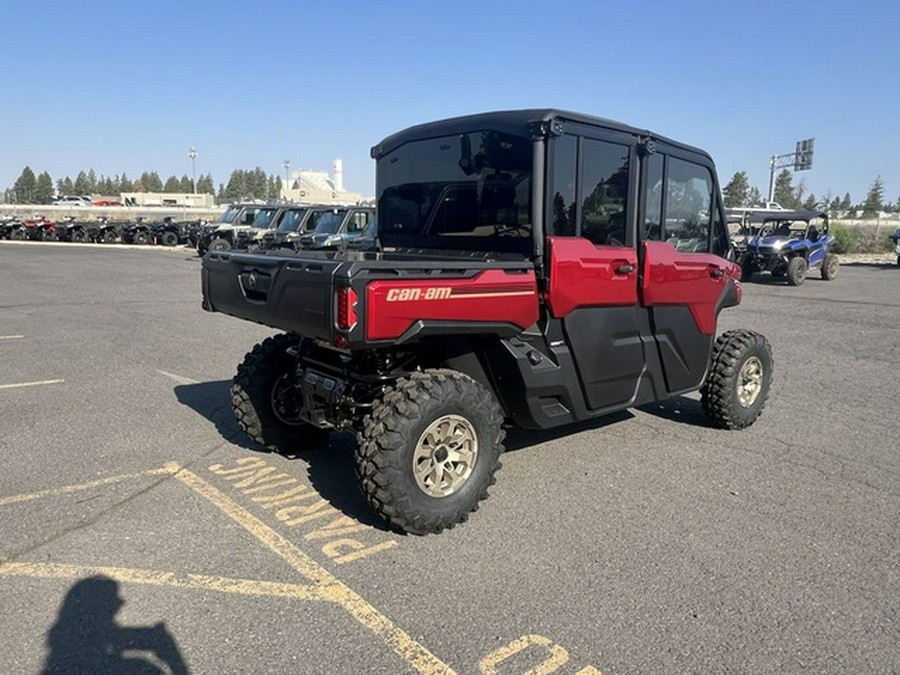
<point>796,270</point>
<point>263,398</point>
<point>169,239</point>
<point>830,264</point>
<point>429,450</point>
<point>219,244</point>
<point>140,237</point>
<point>740,376</point>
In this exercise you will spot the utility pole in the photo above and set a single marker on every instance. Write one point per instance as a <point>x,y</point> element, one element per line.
<point>192,153</point>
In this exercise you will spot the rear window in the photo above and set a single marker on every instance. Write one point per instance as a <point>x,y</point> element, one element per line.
<point>468,191</point>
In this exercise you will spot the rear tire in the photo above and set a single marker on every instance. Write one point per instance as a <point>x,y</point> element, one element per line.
<point>78,236</point>
<point>259,392</point>
<point>830,264</point>
<point>110,237</point>
<point>796,270</point>
<point>429,450</point>
<point>739,378</point>
<point>169,239</point>
<point>140,237</point>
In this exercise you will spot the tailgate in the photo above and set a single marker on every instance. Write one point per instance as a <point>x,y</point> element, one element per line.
<point>286,292</point>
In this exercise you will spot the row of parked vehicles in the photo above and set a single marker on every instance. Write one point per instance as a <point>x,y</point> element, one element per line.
<point>248,226</point>
<point>257,227</point>
<point>166,232</point>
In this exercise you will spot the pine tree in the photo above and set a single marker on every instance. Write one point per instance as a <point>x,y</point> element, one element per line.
<point>43,192</point>
<point>754,197</point>
<point>736,192</point>
<point>25,187</point>
<point>205,185</point>
<point>873,203</point>
<point>784,190</point>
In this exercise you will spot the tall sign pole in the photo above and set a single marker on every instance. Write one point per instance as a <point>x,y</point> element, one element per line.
<point>801,160</point>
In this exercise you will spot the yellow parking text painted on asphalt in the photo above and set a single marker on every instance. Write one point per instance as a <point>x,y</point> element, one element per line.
<point>549,657</point>
<point>296,504</point>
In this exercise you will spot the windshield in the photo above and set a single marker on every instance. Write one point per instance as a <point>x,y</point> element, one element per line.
<point>326,222</point>
<point>290,220</point>
<point>263,218</point>
<point>468,192</point>
<point>230,214</point>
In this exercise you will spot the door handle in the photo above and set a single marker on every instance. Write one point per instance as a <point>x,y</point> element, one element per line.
<point>627,268</point>
<point>717,272</point>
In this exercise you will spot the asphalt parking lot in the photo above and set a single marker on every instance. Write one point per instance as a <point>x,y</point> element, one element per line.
<point>138,528</point>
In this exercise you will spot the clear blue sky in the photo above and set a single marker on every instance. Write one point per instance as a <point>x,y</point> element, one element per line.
<point>130,86</point>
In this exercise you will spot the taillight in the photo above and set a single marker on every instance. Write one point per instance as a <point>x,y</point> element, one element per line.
<point>346,308</point>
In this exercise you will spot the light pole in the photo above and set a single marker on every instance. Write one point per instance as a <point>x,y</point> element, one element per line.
<point>287,176</point>
<point>192,153</point>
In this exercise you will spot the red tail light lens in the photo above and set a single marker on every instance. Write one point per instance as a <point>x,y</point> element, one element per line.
<point>346,308</point>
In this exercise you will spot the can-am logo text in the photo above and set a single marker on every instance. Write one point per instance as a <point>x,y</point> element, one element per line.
<point>408,294</point>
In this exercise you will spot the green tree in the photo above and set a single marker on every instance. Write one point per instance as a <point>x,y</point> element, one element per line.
<point>274,188</point>
<point>846,202</point>
<point>754,197</point>
<point>81,185</point>
<point>126,184</point>
<point>257,183</point>
<point>65,186</point>
<point>236,190</point>
<point>810,202</point>
<point>25,186</point>
<point>151,182</point>
<point>873,203</point>
<point>737,190</point>
<point>172,185</point>
<point>186,185</point>
<point>205,185</point>
<point>92,182</point>
<point>785,193</point>
<point>43,192</point>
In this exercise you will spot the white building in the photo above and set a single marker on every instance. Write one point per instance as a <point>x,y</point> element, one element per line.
<point>317,187</point>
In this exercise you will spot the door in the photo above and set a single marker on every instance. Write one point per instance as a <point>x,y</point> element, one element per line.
<point>593,264</point>
<point>685,281</point>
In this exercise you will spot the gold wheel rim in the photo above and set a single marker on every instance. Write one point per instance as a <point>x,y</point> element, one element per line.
<point>749,382</point>
<point>445,456</point>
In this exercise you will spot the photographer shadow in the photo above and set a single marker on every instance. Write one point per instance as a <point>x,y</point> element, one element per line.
<point>87,639</point>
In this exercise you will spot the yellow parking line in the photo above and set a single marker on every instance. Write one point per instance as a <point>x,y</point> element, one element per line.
<point>325,586</point>
<point>171,579</point>
<point>14,499</point>
<point>29,384</point>
<point>403,644</point>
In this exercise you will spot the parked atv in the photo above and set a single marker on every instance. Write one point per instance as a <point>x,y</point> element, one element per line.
<point>38,229</point>
<point>136,232</point>
<point>336,228</point>
<point>169,232</point>
<point>497,298</point>
<point>788,245</point>
<point>236,215</point>
<point>69,229</point>
<point>896,239</point>
<point>7,225</point>
<point>108,232</point>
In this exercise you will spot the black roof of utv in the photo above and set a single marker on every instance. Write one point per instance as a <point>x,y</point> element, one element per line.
<point>515,122</point>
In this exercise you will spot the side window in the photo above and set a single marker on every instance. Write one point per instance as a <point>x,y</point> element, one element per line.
<point>604,183</point>
<point>652,226</point>
<point>358,221</point>
<point>562,176</point>
<point>688,206</point>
